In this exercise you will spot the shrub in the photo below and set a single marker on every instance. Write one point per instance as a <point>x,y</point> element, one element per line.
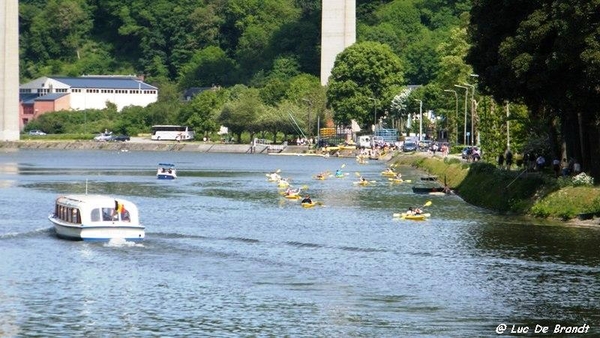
<point>583,180</point>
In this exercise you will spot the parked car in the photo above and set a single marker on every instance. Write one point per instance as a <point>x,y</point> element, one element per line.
<point>465,152</point>
<point>425,145</point>
<point>120,138</point>
<point>409,146</point>
<point>103,137</point>
<point>36,132</point>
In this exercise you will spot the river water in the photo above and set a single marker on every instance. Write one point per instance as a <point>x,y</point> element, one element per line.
<point>226,256</point>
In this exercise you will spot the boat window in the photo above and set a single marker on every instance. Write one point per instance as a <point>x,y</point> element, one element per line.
<point>96,215</point>
<point>107,214</point>
<point>125,216</point>
<point>76,216</point>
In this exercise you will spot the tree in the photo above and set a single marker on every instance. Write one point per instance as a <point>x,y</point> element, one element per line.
<point>242,112</point>
<point>201,113</point>
<point>208,67</point>
<point>58,31</point>
<point>542,54</point>
<point>365,75</point>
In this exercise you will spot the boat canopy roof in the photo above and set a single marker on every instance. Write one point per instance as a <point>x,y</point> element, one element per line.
<point>166,164</point>
<point>92,201</point>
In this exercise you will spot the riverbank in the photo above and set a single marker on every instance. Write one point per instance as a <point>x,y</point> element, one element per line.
<point>140,144</point>
<point>537,194</point>
<point>480,184</point>
<point>145,144</point>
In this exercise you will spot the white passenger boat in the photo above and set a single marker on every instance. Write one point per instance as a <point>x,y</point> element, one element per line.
<point>166,171</point>
<point>96,218</point>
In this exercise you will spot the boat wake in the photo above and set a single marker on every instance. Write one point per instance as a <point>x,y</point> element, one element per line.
<point>121,242</point>
<point>26,234</point>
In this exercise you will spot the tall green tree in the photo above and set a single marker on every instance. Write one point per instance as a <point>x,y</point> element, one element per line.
<point>242,112</point>
<point>202,112</point>
<point>208,67</point>
<point>365,78</point>
<point>542,54</point>
<point>57,31</point>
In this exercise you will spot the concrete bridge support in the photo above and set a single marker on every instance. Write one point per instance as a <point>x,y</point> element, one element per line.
<point>9,70</point>
<point>338,31</point>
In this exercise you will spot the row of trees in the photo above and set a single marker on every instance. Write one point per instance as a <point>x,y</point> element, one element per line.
<point>536,64</point>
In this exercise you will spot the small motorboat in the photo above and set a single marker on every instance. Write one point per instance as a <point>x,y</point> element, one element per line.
<point>431,190</point>
<point>96,218</point>
<point>166,171</point>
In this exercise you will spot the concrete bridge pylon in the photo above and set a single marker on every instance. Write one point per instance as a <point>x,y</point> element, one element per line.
<point>9,70</point>
<point>338,31</point>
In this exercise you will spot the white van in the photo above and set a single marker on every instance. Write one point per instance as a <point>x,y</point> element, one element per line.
<point>364,141</point>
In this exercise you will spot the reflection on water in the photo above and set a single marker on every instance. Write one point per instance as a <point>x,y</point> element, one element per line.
<point>226,255</point>
<point>102,187</point>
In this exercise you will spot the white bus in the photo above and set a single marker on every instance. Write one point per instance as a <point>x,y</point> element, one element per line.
<point>172,132</point>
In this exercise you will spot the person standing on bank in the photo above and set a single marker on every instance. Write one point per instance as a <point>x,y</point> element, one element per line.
<point>509,158</point>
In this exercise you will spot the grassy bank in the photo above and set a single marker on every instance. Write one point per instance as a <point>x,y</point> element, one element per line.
<point>538,194</point>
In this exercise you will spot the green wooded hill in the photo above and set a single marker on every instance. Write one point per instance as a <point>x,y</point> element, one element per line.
<point>217,42</point>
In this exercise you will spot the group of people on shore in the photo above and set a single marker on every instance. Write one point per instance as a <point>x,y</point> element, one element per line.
<point>532,162</point>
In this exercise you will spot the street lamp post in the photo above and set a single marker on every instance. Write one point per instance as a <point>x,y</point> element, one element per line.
<point>374,112</point>
<point>309,121</point>
<point>507,125</point>
<point>466,99</point>
<point>456,112</point>
<point>420,120</point>
<point>472,110</point>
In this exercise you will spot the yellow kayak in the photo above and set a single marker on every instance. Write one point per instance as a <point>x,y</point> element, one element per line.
<point>293,197</point>
<point>363,183</point>
<point>419,217</point>
<point>388,173</point>
<point>309,205</point>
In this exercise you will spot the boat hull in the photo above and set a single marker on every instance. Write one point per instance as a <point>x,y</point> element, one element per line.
<point>415,217</point>
<point>166,176</point>
<point>309,205</point>
<point>98,233</point>
<point>427,190</point>
<point>410,216</point>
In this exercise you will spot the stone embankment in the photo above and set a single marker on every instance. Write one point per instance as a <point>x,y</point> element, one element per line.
<point>140,144</point>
